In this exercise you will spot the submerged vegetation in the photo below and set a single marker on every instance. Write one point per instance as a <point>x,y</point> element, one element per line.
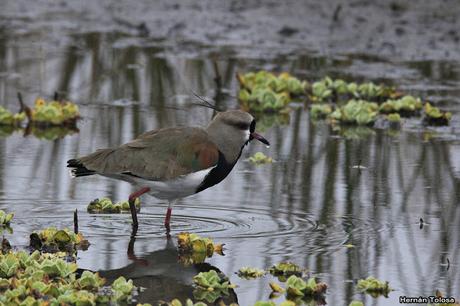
<point>105,205</point>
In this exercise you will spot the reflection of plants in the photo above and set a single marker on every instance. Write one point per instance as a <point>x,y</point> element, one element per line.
<point>266,121</point>
<point>210,286</point>
<point>353,132</point>
<point>374,287</point>
<point>105,205</point>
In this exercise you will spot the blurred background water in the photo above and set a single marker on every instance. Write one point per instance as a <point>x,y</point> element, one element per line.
<point>305,207</point>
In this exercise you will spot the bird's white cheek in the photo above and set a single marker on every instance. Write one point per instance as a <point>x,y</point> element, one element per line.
<point>247,134</point>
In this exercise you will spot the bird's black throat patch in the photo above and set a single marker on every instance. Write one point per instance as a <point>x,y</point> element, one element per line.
<point>218,173</point>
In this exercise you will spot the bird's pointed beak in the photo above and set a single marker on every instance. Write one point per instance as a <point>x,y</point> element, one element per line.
<point>259,137</point>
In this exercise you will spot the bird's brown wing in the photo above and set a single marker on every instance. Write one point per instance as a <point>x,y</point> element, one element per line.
<point>157,155</point>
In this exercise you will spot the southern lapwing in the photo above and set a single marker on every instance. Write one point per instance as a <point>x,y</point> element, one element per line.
<point>172,163</point>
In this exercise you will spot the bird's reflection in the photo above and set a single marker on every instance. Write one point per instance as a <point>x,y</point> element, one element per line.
<point>163,275</point>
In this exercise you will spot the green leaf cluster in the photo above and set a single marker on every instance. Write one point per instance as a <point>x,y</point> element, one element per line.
<point>283,270</point>
<point>210,286</point>
<point>249,273</point>
<point>328,88</point>
<point>54,112</point>
<point>265,92</point>
<point>194,249</point>
<point>407,106</point>
<point>434,116</point>
<point>297,287</point>
<point>320,111</point>
<point>374,287</point>
<point>33,279</point>
<point>260,158</point>
<point>52,239</point>
<point>105,205</point>
<point>8,118</point>
<point>358,112</point>
<point>5,218</point>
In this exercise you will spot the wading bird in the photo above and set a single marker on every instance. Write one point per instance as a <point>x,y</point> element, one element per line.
<point>172,163</point>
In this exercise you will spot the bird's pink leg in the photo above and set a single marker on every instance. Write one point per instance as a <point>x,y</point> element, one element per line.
<point>168,215</point>
<point>132,206</point>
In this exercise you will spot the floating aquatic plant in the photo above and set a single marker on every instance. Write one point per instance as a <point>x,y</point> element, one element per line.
<point>265,92</point>
<point>249,273</point>
<point>260,158</point>
<point>54,112</point>
<point>53,240</point>
<point>358,112</point>
<point>271,303</point>
<point>5,218</point>
<point>320,111</point>
<point>356,303</point>
<point>210,286</point>
<point>283,270</point>
<point>105,205</point>
<point>195,249</point>
<point>38,279</point>
<point>374,287</point>
<point>406,106</point>
<point>8,118</point>
<point>434,116</point>
<point>296,286</point>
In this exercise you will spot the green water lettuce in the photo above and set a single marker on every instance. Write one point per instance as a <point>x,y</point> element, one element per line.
<point>265,92</point>
<point>105,205</point>
<point>297,287</point>
<point>260,158</point>
<point>5,218</point>
<point>54,112</point>
<point>406,106</point>
<point>35,279</point>
<point>357,112</point>
<point>283,270</point>
<point>53,240</point>
<point>8,118</point>
<point>209,286</point>
<point>194,249</point>
<point>320,111</point>
<point>250,273</point>
<point>434,116</point>
<point>374,287</point>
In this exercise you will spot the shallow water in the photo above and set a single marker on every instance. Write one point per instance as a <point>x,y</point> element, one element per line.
<point>304,207</point>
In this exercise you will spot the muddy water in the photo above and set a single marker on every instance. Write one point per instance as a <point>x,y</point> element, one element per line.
<point>305,207</point>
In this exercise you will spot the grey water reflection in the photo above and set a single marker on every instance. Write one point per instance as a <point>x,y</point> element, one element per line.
<point>304,207</point>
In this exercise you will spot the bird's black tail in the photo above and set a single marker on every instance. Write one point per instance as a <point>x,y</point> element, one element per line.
<point>78,169</point>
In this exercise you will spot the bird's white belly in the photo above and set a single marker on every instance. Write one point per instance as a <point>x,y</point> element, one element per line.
<point>180,187</point>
